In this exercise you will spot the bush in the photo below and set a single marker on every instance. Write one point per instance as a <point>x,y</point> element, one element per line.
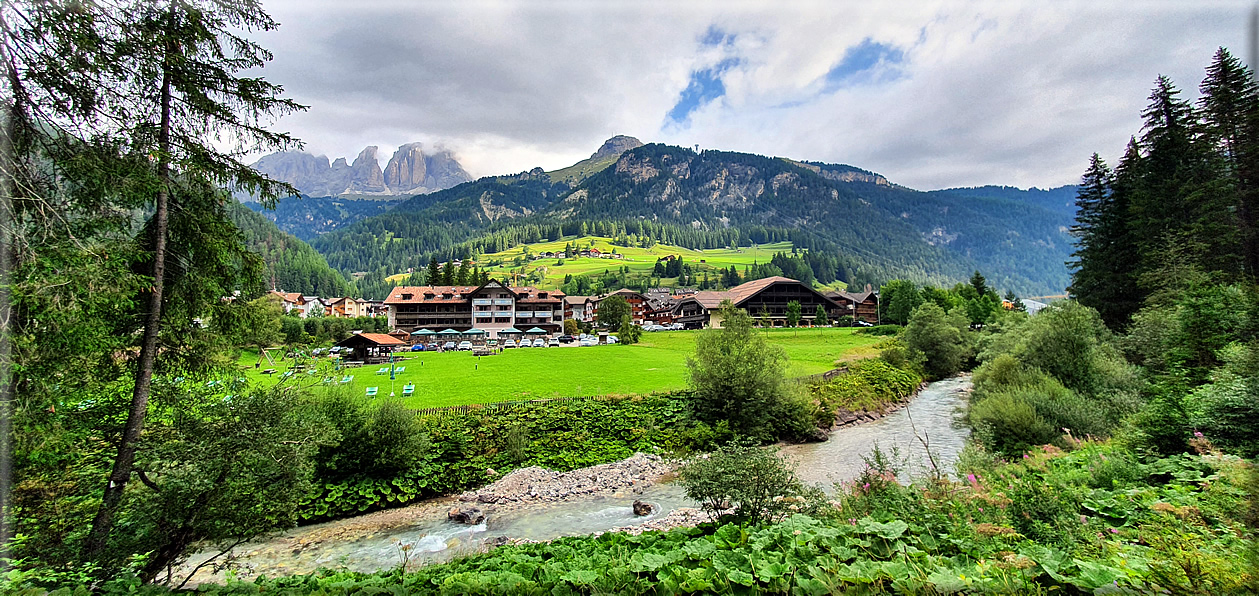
<point>736,375</point>
<point>940,338</point>
<point>1010,426</point>
<point>375,442</point>
<point>758,484</point>
<point>1071,344</point>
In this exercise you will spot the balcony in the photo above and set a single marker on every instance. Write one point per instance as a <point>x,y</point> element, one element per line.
<point>483,315</point>
<point>504,301</point>
<point>503,313</point>
<point>481,302</point>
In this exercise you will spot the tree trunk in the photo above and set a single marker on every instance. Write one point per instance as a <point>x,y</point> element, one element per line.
<point>8,173</point>
<point>123,463</point>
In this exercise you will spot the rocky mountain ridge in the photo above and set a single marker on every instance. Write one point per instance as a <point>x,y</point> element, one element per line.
<point>410,171</point>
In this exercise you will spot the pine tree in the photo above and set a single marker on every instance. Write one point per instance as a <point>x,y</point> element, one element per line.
<point>448,274</point>
<point>1167,207</point>
<point>978,282</point>
<point>1229,111</point>
<point>173,78</point>
<point>464,277</point>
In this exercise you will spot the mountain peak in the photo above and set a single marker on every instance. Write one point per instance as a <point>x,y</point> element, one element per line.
<point>410,171</point>
<point>616,146</point>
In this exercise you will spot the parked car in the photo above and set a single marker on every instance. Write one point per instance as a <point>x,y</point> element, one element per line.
<point>417,348</point>
<point>567,339</point>
<point>432,346</point>
<point>539,343</point>
<point>588,342</point>
<point>465,346</point>
<point>553,343</point>
<point>450,345</point>
<point>511,343</point>
<point>525,343</point>
<point>865,323</point>
<point>612,339</point>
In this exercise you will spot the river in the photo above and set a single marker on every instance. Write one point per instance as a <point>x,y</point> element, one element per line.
<point>421,533</point>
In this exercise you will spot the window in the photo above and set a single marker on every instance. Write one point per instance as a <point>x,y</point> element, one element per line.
<point>407,296</point>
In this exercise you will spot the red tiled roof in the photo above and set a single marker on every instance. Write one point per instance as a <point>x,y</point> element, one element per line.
<point>383,339</point>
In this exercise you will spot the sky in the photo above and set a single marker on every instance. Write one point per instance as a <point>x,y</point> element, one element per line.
<point>929,94</point>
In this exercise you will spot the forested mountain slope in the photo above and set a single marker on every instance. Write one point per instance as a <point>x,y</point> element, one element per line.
<point>308,217</point>
<point>292,265</point>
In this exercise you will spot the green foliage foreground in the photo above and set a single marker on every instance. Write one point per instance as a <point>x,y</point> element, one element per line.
<point>1096,518</point>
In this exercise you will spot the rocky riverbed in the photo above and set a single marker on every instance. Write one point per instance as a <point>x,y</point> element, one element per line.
<point>540,484</point>
<point>397,535</point>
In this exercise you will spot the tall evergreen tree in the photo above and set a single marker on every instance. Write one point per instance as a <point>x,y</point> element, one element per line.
<point>1229,111</point>
<point>448,274</point>
<point>464,277</point>
<point>1169,208</point>
<point>173,70</point>
<point>434,272</point>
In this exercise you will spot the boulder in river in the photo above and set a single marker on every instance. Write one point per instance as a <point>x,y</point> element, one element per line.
<point>466,515</point>
<point>817,436</point>
<point>641,508</point>
<point>496,541</point>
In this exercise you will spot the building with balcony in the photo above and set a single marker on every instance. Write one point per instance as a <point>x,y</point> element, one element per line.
<point>764,299</point>
<point>492,308</point>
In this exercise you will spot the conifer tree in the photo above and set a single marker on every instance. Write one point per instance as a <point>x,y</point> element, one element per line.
<point>434,272</point>
<point>1229,111</point>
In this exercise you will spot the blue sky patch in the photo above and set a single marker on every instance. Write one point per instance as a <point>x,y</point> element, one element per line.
<point>861,63</point>
<point>715,36</point>
<point>705,86</point>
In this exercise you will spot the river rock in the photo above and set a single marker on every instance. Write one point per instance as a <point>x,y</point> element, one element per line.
<point>641,508</point>
<point>496,541</point>
<point>818,436</point>
<point>466,515</point>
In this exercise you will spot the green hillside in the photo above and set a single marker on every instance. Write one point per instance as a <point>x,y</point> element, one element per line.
<point>550,273</point>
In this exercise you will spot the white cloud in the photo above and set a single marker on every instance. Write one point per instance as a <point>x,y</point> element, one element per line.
<point>989,93</point>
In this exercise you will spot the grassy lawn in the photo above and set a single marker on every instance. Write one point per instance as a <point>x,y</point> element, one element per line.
<point>641,261</point>
<point>657,363</point>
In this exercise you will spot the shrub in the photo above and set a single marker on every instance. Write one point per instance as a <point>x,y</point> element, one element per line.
<point>737,375</point>
<point>940,338</point>
<point>375,442</point>
<point>758,484</point>
<point>1010,426</point>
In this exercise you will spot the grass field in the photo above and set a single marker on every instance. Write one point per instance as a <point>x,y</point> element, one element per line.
<point>657,363</point>
<point>641,261</point>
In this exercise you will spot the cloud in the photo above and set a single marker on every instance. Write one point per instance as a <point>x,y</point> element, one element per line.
<point>929,95</point>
